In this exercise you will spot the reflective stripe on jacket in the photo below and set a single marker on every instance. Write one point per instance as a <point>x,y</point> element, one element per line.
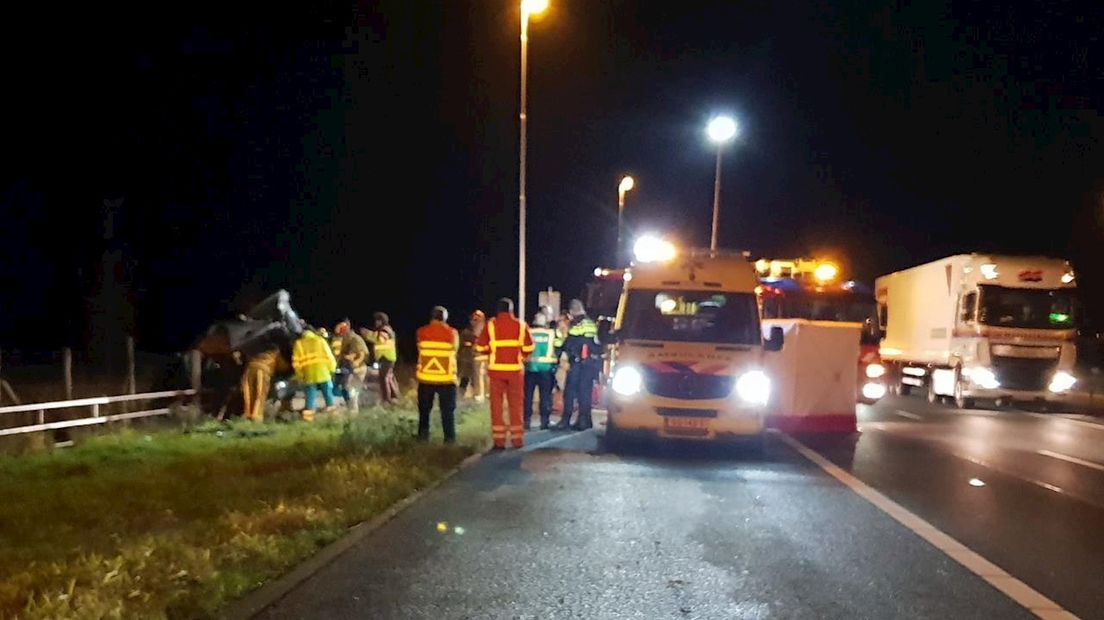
<point>437,344</point>
<point>507,342</point>
<point>383,339</point>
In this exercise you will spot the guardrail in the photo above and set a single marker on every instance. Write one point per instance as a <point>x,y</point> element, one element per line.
<point>94,404</point>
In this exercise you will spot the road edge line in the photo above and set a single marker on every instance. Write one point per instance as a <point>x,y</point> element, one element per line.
<point>274,590</point>
<point>1013,588</point>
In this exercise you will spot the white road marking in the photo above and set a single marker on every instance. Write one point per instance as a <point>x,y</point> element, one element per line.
<point>1013,588</point>
<point>1055,416</point>
<point>908,414</point>
<point>1071,459</point>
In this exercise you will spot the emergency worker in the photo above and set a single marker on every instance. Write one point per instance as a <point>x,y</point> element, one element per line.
<point>382,337</point>
<point>436,373</point>
<point>351,353</point>
<point>314,365</point>
<point>472,365</point>
<point>540,370</point>
<point>584,353</point>
<point>256,381</point>
<point>506,342</point>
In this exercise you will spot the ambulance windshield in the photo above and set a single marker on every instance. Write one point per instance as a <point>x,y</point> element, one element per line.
<point>691,316</point>
<point>1028,308</point>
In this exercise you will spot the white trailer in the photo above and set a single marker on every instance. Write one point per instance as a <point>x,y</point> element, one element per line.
<point>981,327</point>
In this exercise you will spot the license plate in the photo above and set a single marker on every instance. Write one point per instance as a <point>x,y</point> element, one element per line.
<point>693,426</point>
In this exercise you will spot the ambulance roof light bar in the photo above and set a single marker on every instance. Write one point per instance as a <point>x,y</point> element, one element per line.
<point>823,271</point>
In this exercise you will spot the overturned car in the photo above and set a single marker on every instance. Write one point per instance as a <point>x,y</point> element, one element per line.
<point>227,346</point>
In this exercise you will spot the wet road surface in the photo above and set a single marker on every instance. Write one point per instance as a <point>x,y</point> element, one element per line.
<point>566,530</point>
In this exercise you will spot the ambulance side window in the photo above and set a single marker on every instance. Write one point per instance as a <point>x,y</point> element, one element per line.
<point>967,308</point>
<point>883,316</point>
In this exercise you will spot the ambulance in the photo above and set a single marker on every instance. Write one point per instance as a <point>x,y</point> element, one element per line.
<point>688,353</point>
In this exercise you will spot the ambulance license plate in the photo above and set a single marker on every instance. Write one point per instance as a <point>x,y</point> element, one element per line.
<point>686,426</point>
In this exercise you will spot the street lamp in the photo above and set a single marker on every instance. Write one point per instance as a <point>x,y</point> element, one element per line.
<point>528,7</point>
<point>623,188</point>
<point>721,130</point>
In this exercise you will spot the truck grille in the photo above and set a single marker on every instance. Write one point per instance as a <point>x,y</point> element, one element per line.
<point>1020,373</point>
<point>688,385</point>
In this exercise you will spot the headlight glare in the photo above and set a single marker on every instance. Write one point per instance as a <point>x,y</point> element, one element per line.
<point>754,387</point>
<point>1062,381</point>
<point>873,371</point>
<point>627,381</point>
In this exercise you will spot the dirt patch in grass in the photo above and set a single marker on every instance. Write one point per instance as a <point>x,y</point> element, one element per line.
<point>174,524</point>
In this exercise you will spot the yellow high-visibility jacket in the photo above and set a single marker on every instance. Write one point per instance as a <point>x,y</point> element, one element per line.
<point>312,359</point>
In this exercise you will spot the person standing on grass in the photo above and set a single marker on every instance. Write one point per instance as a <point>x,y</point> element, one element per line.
<point>314,365</point>
<point>436,373</point>
<point>382,338</point>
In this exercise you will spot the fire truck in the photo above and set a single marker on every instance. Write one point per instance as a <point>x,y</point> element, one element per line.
<point>812,289</point>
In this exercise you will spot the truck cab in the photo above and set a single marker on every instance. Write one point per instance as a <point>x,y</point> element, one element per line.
<point>687,359</point>
<point>982,328</point>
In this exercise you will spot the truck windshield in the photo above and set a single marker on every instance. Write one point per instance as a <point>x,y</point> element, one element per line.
<point>691,316</point>
<point>1030,308</point>
<point>826,307</point>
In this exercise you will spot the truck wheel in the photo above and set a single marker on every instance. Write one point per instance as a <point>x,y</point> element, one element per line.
<point>932,396</point>
<point>961,401</point>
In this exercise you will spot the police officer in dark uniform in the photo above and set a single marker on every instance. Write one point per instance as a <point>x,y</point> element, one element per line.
<point>584,353</point>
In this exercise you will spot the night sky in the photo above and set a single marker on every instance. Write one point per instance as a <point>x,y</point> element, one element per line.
<point>364,156</point>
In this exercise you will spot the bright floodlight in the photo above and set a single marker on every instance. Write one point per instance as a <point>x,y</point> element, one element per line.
<point>532,7</point>
<point>626,184</point>
<point>650,249</point>
<point>721,129</point>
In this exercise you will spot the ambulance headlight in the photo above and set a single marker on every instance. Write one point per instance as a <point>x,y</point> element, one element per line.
<point>873,371</point>
<point>627,381</point>
<point>1062,381</point>
<point>754,387</point>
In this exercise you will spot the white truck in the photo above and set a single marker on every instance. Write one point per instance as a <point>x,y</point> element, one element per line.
<point>976,327</point>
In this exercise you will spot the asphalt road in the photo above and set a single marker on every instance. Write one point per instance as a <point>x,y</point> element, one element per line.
<point>565,530</point>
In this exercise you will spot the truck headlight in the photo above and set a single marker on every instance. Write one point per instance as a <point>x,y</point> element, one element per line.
<point>873,391</point>
<point>982,377</point>
<point>627,381</point>
<point>875,370</point>
<point>754,387</point>
<point>1062,381</point>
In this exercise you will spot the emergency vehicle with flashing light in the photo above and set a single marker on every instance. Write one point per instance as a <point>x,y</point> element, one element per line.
<point>981,328</point>
<point>811,289</point>
<point>687,359</point>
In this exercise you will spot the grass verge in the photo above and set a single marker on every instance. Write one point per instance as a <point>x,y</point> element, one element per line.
<point>174,524</point>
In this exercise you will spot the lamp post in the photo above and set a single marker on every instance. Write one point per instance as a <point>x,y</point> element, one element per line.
<point>623,188</point>
<point>528,7</point>
<point>721,130</point>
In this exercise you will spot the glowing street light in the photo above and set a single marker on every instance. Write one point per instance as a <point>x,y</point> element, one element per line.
<point>627,183</point>
<point>721,130</point>
<point>528,7</point>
